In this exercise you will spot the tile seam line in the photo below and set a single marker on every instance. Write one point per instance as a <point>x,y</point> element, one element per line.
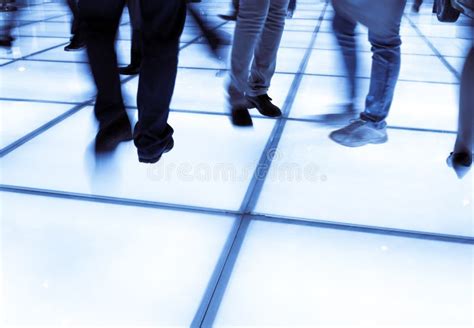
<point>213,298</point>
<point>315,223</point>
<point>433,48</point>
<point>368,229</point>
<point>121,201</point>
<point>204,112</point>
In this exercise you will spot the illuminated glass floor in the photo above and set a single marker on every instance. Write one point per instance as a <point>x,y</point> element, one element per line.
<point>270,226</point>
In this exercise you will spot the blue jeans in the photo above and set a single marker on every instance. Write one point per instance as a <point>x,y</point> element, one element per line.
<point>257,37</point>
<point>382,18</point>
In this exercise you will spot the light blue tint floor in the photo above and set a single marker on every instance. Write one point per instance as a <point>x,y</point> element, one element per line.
<point>86,264</point>
<point>273,225</point>
<point>292,275</point>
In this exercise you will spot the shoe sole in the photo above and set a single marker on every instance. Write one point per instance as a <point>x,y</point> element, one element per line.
<point>153,160</point>
<point>359,144</point>
<point>75,49</point>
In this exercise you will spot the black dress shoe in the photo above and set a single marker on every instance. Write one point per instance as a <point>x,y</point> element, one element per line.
<point>109,137</point>
<point>129,70</point>
<point>460,162</point>
<point>154,159</point>
<point>7,43</point>
<point>76,44</point>
<point>264,105</point>
<point>241,117</point>
<point>231,17</point>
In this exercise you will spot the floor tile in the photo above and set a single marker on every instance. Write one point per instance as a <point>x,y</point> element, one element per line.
<point>25,46</point>
<point>46,81</point>
<point>329,278</point>
<point>202,170</point>
<point>45,29</point>
<point>378,185</point>
<point>456,62</point>
<point>90,264</point>
<point>20,118</point>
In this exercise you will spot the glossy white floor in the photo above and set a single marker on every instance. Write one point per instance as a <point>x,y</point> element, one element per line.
<point>270,226</point>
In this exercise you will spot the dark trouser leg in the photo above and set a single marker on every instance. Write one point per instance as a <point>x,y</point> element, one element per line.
<point>162,25</point>
<point>102,19</point>
<point>77,25</point>
<point>135,19</point>
<point>344,30</point>
<point>465,137</point>
<point>292,5</point>
<point>73,7</point>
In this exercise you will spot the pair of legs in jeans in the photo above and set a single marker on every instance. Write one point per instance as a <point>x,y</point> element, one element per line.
<point>235,5</point>
<point>162,25</point>
<point>257,37</point>
<point>382,18</point>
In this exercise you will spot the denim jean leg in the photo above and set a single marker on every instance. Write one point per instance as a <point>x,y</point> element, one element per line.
<point>250,23</point>
<point>386,61</point>
<point>344,29</point>
<point>266,50</point>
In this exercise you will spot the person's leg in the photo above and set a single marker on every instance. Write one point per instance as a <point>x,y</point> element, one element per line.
<point>136,51</point>
<point>291,8</point>
<point>162,25</point>
<point>77,28</point>
<point>6,27</point>
<point>73,7</point>
<point>461,157</point>
<point>250,23</point>
<point>383,21</point>
<point>232,16</point>
<point>102,18</point>
<point>465,137</point>
<point>344,29</point>
<point>386,60</point>
<point>265,56</point>
<point>416,5</point>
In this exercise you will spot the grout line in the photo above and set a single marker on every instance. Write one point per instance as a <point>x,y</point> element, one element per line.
<point>40,101</point>
<point>34,54</point>
<point>222,69</point>
<point>434,49</point>
<point>102,199</point>
<point>217,286</point>
<point>274,218</point>
<point>21,141</point>
<point>385,231</point>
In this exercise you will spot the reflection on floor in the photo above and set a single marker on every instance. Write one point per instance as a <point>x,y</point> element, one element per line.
<point>274,225</point>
